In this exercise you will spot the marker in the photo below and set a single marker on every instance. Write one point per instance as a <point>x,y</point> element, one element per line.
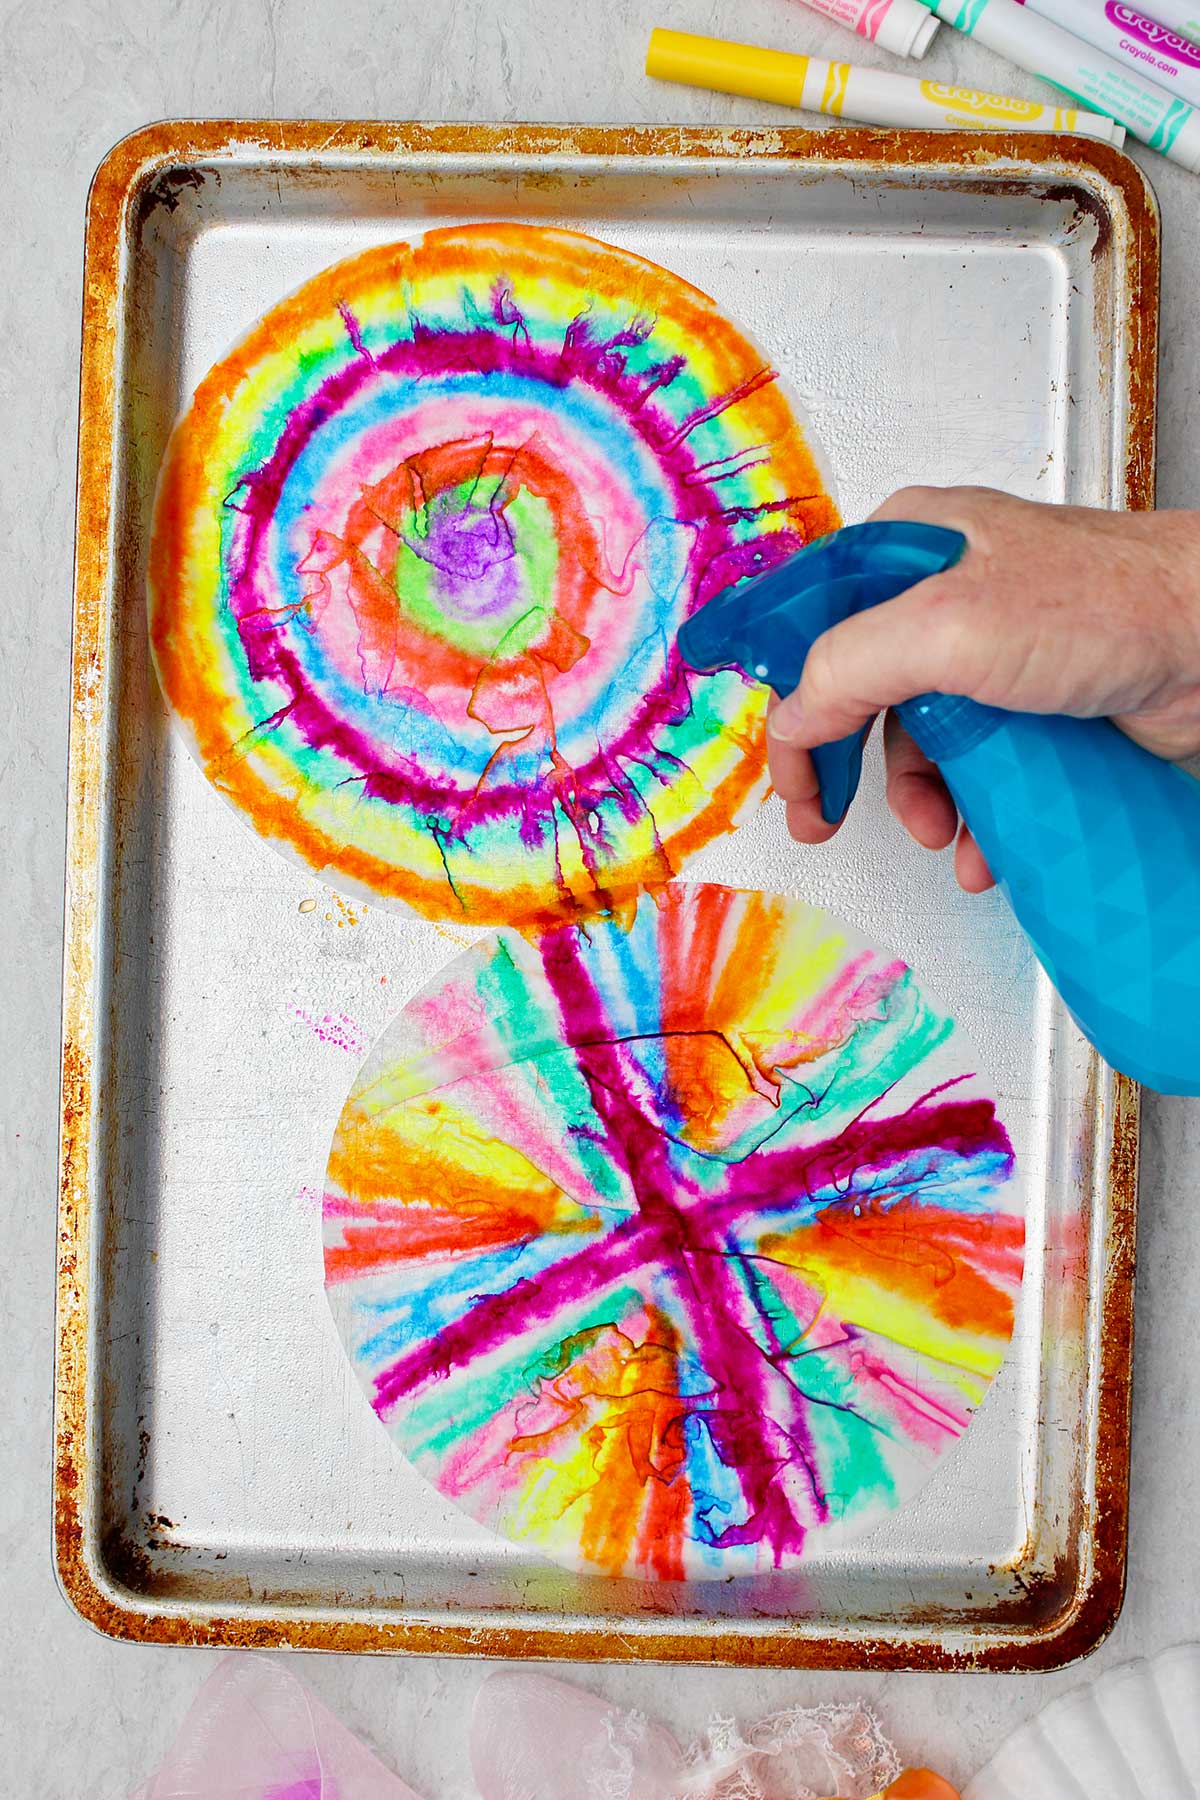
<point>1162,121</point>
<point>873,96</point>
<point>1167,58</point>
<point>904,26</point>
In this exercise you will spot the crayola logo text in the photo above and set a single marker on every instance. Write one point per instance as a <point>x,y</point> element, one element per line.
<point>1154,36</point>
<point>984,105</point>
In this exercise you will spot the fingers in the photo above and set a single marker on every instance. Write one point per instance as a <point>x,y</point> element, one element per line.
<point>921,801</point>
<point>970,870</point>
<point>916,793</point>
<point>933,638</point>
<point>909,645</point>
<point>914,644</point>
<point>952,634</point>
<point>805,824</point>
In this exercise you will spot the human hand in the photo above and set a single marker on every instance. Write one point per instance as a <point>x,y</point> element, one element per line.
<point>1052,609</point>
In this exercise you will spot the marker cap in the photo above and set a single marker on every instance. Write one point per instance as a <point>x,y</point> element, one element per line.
<point>908,30</point>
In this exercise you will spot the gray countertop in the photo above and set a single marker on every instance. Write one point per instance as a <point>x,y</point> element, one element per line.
<point>79,1714</point>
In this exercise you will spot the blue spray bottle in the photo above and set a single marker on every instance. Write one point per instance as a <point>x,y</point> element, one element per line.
<point>1094,842</point>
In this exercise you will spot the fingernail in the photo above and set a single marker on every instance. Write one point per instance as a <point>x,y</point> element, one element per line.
<point>784,724</point>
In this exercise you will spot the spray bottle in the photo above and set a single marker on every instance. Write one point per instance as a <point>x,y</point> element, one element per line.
<point>1094,842</point>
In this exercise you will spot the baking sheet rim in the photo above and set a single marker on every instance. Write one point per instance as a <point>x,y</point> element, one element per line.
<point>124,177</point>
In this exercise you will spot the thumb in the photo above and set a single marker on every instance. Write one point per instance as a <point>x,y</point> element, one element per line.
<point>910,645</point>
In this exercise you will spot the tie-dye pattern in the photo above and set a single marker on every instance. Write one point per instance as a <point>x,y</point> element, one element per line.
<point>674,1247</point>
<point>421,547</point>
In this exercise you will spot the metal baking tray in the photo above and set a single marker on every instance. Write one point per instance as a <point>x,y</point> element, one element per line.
<point>950,309</point>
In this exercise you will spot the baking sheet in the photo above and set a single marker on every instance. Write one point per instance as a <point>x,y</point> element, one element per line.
<point>949,309</point>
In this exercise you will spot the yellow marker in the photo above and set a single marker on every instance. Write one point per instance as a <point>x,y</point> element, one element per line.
<point>873,96</point>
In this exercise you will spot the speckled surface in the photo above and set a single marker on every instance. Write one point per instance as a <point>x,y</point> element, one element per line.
<point>80,1715</point>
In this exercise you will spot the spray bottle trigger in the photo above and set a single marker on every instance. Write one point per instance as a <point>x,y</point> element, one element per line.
<point>839,769</point>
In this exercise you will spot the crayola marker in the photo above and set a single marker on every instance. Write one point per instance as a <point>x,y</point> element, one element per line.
<point>873,96</point>
<point>1167,124</point>
<point>1167,58</point>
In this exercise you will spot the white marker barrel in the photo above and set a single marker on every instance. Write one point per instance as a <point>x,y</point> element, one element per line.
<point>1167,58</point>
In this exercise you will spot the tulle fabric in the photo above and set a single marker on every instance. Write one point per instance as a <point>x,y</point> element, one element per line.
<point>255,1732</point>
<point>533,1738</point>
